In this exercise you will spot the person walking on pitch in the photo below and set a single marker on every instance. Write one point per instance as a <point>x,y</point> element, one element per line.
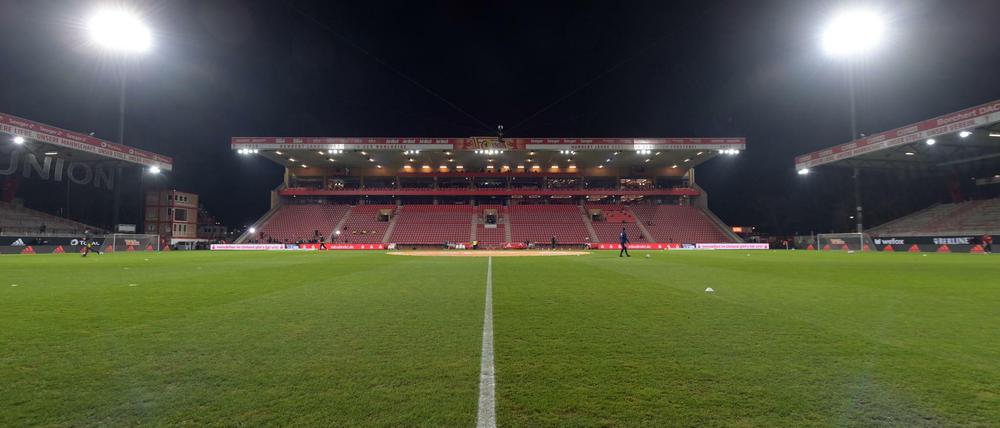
<point>623,239</point>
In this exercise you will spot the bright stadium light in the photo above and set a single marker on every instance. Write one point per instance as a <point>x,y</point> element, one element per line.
<point>154,169</point>
<point>119,30</point>
<point>965,134</point>
<point>18,140</point>
<point>931,141</point>
<point>853,32</point>
<point>804,171</point>
<point>253,230</point>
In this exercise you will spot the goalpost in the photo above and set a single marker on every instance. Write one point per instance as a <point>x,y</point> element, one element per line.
<point>131,242</point>
<point>845,242</point>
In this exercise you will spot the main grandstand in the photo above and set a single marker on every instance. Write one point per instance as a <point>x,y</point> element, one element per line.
<point>497,192</point>
<point>957,152</point>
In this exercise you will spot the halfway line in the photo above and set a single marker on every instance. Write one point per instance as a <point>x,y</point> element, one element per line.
<point>487,380</point>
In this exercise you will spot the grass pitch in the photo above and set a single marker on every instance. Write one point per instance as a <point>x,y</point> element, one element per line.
<point>356,338</point>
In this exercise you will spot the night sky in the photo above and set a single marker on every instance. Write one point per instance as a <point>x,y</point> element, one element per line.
<point>458,68</point>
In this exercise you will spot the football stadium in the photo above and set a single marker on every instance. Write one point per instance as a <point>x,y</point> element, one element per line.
<point>495,280</point>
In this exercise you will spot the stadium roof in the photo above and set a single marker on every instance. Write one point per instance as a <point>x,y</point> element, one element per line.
<point>476,152</point>
<point>969,135</point>
<point>47,138</point>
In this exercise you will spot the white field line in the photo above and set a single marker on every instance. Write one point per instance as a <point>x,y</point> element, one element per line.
<point>487,380</point>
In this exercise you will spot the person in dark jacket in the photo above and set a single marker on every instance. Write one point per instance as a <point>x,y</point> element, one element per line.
<point>623,239</point>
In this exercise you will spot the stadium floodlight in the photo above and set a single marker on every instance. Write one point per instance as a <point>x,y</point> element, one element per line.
<point>909,153</point>
<point>18,140</point>
<point>853,32</point>
<point>995,134</point>
<point>51,153</point>
<point>804,171</point>
<point>252,229</point>
<point>154,169</point>
<point>119,30</point>
<point>931,141</point>
<point>965,134</point>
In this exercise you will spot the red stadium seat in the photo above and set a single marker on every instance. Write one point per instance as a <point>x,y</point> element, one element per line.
<point>682,224</point>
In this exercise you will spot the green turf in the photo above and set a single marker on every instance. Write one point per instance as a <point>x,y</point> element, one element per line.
<point>356,338</point>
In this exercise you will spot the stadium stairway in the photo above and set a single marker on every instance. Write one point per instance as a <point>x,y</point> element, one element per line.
<point>340,225</point>
<point>642,228</point>
<point>590,226</point>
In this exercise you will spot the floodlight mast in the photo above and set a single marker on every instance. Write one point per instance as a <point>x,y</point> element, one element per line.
<point>851,34</point>
<point>123,33</point>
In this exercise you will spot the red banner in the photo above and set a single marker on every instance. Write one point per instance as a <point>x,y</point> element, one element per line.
<point>641,246</point>
<point>480,143</point>
<point>343,246</point>
<point>74,140</point>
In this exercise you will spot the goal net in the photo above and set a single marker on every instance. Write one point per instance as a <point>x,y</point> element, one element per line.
<point>845,242</point>
<point>131,242</point>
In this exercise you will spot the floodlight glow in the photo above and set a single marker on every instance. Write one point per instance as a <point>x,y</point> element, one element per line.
<point>931,141</point>
<point>853,32</point>
<point>909,153</point>
<point>119,30</point>
<point>804,171</point>
<point>51,153</point>
<point>154,169</point>
<point>18,140</point>
<point>965,134</point>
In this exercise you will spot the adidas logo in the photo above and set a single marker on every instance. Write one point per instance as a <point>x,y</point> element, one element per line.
<point>18,243</point>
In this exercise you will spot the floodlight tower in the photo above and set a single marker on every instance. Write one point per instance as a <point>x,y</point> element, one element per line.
<point>850,35</point>
<point>122,33</point>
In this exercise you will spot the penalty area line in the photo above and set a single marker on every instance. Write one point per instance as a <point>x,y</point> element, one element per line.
<point>487,417</point>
